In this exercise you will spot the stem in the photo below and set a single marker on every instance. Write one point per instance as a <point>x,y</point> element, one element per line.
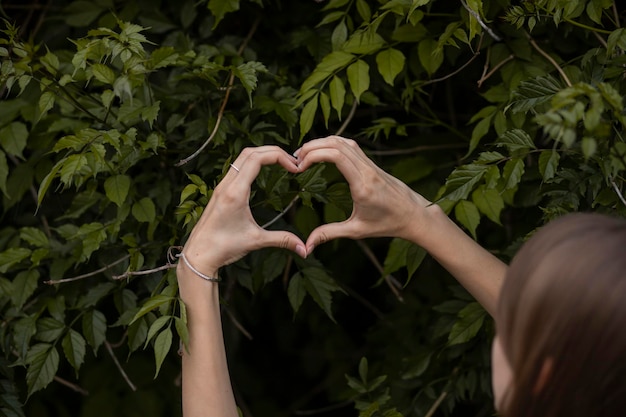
<point>389,279</point>
<point>550,59</point>
<point>348,119</point>
<point>89,274</point>
<point>119,367</point>
<point>71,385</point>
<point>499,65</point>
<point>282,213</point>
<point>220,113</point>
<point>461,68</point>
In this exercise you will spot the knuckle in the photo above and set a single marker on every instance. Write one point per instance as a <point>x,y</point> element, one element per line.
<point>284,242</point>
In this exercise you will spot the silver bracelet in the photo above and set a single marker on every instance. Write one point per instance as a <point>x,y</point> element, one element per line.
<point>195,271</point>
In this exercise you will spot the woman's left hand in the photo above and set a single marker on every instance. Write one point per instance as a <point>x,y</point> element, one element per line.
<point>226,230</point>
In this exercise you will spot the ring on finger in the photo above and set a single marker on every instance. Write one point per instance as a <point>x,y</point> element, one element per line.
<point>234,167</point>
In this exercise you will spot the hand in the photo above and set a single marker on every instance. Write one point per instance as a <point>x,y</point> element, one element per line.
<point>226,230</point>
<point>382,204</point>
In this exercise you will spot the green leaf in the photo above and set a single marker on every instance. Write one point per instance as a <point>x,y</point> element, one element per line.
<point>220,8</point>
<point>531,93</point>
<point>588,146</point>
<point>396,255</point>
<point>152,303</point>
<point>116,188</point>
<point>155,327</point>
<point>414,258</point>
<point>162,346</point>
<point>429,55</point>
<point>467,214</point>
<point>74,349</point>
<point>358,78</point>
<point>364,10</point>
<point>548,164</point>
<point>12,256</point>
<point>43,361</point>
<point>95,294</point>
<point>390,63</point>
<point>363,369</point>
<point>144,210</point>
<point>45,183</point>
<point>46,102</point>
<point>247,74</point>
<point>512,173</point>
<point>337,93</point>
<point>364,42</point>
<point>24,285</point>
<point>489,202</point>
<point>516,140</point>
<point>320,286</point>
<point>35,237</point>
<point>470,320</point>
<point>308,116</point>
<point>330,64</point>
<point>94,328</point>
<point>72,166</point>
<point>325,105</point>
<point>462,181</point>
<point>103,73</point>
<point>13,138</point>
<point>49,329</point>
<point>296,291</point>
<point>150,113</point>
<point>480,130</point>
<point>182,330</point>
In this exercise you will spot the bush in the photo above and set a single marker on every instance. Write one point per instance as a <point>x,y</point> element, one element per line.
<point>120,116</point>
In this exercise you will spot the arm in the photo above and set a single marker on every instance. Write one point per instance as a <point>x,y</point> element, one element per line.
<point>385,206</point>
<point>225,232</point>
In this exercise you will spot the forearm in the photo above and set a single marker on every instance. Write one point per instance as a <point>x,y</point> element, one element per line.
<point>480,272</point>
<point>207,389</point>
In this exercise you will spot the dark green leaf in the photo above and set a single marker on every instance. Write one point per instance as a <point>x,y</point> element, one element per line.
<point>467,214</point>
<point>43,362</point>
<point>74,349</point>
<point>489,202</point>
<point>470,320</point>
<point>358,78</point>
<point>144,210</point>
<point>162,345</point>
<point>13,138</point>
<point>390,63</point>
<point>94,328</point>
<point>24,286</point>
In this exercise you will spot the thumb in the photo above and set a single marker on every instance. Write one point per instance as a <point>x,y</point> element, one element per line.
<point>326,232</point>
<point>285,240</point>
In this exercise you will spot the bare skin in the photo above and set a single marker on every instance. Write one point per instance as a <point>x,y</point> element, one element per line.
<point>383,206</point>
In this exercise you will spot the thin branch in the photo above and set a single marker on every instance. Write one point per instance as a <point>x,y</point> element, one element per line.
<point>89,274</point>
<point>618,192</point>
<point>392,152</point>
<point>119,367</point>
<point>600,39</point>
<point>389,279</point>
<point>550,59</point>
<point>616,15</point>
<point>128,274</point>
<point>220,113</point>
<point>71,385</point>
<point>480,22</point>
<point>282,213</point>
<point>461,68</point>
<point>346,122</point>
<point>499,65</point>
<point>436,404</point>
<point>237,324</point>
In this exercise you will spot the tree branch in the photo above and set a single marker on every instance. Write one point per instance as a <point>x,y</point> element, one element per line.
<point>220,113</point>
<point>119,367</point>
<point>550,59</point>
<point>71,385</point>
<point>346,122</point>
<point>499,65</point>
<point>282,213</point>
<point>89,274</point>
<point>389,279</point>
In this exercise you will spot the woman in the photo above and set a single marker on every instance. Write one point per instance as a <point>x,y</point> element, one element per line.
<point>560,312</point>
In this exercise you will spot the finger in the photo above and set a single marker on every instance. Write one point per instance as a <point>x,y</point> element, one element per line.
<point>250,161</point>
<point>284,240</point>
<point>327,232</point>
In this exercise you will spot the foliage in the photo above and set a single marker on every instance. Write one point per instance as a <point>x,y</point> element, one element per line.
<point>118,117</point>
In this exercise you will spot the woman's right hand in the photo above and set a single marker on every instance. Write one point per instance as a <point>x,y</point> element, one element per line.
<point>382,204</point>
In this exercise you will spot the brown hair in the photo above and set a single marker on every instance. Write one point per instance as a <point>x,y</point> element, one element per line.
<point>563,303</point>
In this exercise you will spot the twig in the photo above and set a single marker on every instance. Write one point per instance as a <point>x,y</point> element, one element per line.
<point>346,122</point>
<point>144,272</point>
<point>89,274</point>
<point>480,22</point>
<point>436,404</point>
<point>71,385</point>
<point>499,65</point>
<point>600,39</point>
<point>461,68</point>
<point>120,342</point>
<point>618,192</point>
<point>389,279</point>
<point>220,113</point>
<point>616,15</point>
<point>119,367</point>
<point>282,213</point>
<point>237,324</point>
<point>420,148</point>
<point>550,59</point>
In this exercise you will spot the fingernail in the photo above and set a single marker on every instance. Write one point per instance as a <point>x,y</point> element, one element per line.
<point>310,249</point>
<point>297,152</point>
<point>301,251</point>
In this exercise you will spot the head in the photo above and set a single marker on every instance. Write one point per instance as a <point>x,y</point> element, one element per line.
<point>561,322</point>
